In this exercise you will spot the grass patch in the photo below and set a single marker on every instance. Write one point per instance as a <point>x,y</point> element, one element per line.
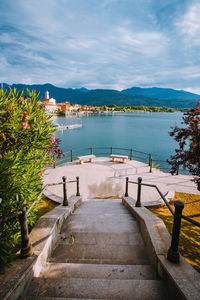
<point>189,244</point>
<point>43,206</point>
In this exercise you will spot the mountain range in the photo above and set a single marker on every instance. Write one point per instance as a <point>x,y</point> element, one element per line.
<point>134,96</point>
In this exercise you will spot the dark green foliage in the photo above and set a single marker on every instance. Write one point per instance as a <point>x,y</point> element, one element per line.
<point>27,146</point>
<point>188,138</point>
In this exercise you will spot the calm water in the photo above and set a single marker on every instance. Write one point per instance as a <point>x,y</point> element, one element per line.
<point>146,132</point>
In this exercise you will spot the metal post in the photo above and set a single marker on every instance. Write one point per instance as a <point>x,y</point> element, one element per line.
<point>151,163</point>
<point>177,169</point>
<point>91,152</point>
<point>131,154</point>
<point>173,253</point>
<point>126,192</point>
<point>71,155</point>
<point>138,203</point>
<point>54,164</point>
<point>110,150</point>
<point>26,247</point>
<point>149,159</point>
<point>65,202</point>
<point>77,186</point>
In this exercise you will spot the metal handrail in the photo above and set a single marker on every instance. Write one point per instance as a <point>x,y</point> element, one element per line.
<point>166,202</point>
<point>173,253</point>
<point>26,248</point>
<point>72,154</point>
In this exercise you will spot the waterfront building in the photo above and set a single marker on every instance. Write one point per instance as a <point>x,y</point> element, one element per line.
<point>49,104</point>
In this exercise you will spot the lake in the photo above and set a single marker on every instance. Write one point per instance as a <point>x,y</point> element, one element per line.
<point>145,132</point>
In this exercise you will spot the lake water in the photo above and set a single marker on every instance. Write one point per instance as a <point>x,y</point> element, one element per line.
<point>146,132</point>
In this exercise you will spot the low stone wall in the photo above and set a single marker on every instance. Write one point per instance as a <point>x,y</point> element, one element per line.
<point>182,279</point>
<point>43,238</point>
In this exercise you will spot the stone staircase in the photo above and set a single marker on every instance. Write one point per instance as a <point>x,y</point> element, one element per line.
<point>100,254</point>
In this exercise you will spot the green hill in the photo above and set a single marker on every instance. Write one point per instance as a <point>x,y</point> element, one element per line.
<point>130,97</point>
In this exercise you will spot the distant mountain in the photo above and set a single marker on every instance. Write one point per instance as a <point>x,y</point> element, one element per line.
<point>161,93</point>
<point>82,89</point>
<point>130,97</point>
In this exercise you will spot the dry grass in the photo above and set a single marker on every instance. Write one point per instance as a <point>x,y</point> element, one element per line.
<point>45,205</point>
<point>190,235</point>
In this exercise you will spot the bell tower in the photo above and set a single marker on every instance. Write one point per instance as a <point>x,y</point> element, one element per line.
<point>46,95</point>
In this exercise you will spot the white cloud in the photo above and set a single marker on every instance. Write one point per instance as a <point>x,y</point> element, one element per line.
<point>98,44</point>
<point>189,23</point>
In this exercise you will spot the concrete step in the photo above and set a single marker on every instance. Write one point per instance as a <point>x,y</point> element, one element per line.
<point>99,225</point>
<point>96,289</point>
<point>56,298</point>
<point>101,238</point>
<point>120,254</point>
<point>64,270</point>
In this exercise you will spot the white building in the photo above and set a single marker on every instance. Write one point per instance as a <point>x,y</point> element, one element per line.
<point>49,104</point>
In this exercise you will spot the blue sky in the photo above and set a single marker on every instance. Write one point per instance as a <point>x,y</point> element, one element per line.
<point>112,44</point>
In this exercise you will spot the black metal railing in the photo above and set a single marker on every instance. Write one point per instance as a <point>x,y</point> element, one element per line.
<point>132,154</point>
<point>173,252</point>
<point>26,247</point>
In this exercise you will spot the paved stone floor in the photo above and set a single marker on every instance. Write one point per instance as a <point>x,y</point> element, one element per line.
<point>104,179</point>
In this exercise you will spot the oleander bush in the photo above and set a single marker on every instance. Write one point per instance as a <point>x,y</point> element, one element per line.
<point>27,148</point>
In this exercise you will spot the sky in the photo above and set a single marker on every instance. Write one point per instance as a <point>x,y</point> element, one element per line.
<point>112,44</point>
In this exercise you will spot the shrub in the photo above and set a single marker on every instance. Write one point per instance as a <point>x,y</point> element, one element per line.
<point>27,146</point>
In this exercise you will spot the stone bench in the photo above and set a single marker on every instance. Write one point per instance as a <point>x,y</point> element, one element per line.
<point>117,156</point>
<point>89,158</point>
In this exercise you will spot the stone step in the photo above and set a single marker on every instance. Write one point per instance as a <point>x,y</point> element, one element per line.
<point>96,289</point>
<point>56,298</point>
<point>120,254</point>
<point>101,238</point>
<point>64,270</point>
<point>102,226</point>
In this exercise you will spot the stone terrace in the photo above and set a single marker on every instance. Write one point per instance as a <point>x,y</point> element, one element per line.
<point>104,179</point>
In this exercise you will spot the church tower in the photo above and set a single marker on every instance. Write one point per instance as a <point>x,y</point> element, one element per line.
<point>46,95</point>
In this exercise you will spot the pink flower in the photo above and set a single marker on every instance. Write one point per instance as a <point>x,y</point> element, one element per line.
<point>52,139</point>
<point>25,125</point>
<point>41,174</point>
<point>25,115</point>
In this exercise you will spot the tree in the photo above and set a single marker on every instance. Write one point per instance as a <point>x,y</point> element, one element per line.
<point>188,137</point>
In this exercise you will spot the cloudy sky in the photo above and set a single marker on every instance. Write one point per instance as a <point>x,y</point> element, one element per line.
<point>112,44</point>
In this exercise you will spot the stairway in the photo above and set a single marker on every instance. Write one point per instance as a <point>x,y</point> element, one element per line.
<point>100,255</point>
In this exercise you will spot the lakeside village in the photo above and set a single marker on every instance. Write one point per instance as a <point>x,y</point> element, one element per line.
<point>67,108</point>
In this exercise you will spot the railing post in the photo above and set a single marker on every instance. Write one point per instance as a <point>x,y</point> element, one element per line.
<point>138,203</point>
<point>91,152</point>
<point>77,186</point>
<point>173,253</point>
<point>131,154</point>
<point>177,169</point>
<point>65,202</point>
<point>26,247</point>
<point>149,159</point>
<point>54,162</point>
<point>110,150</point>
<point>126,192</point>
<point>150,163</point>
<point>71,155</point>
